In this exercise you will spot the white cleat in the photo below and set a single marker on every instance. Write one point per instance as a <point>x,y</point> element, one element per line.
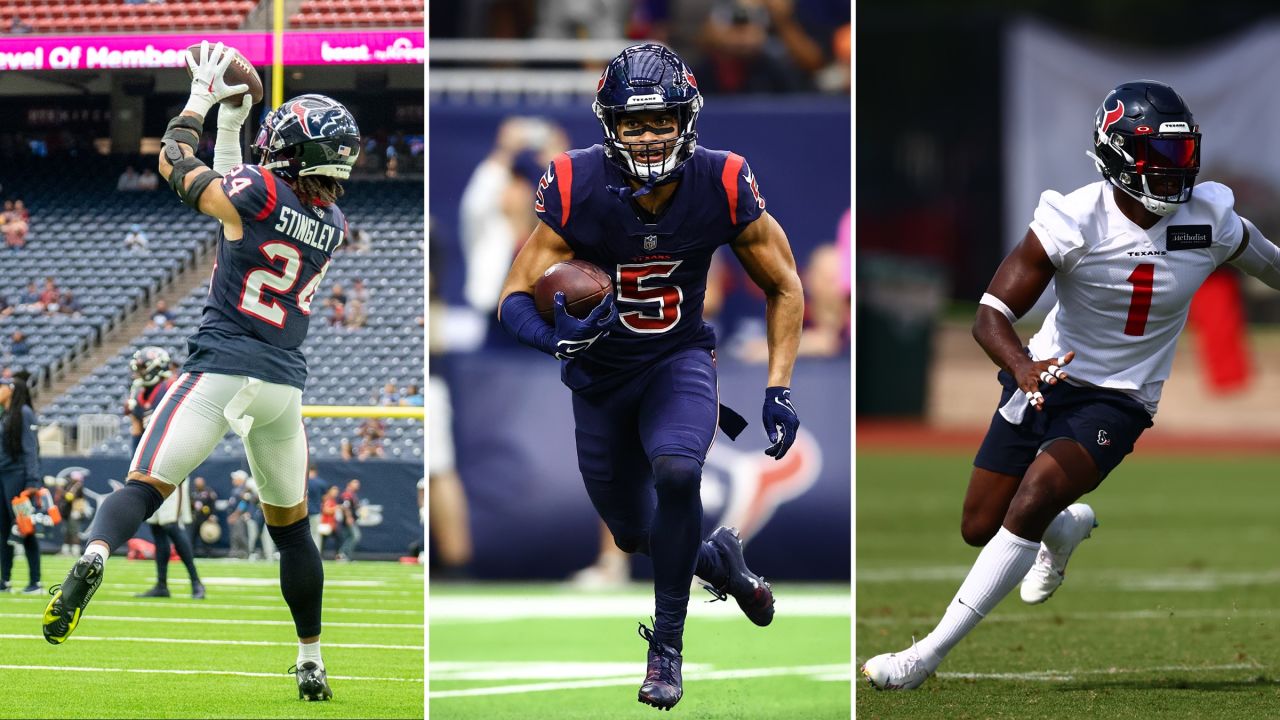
<point>1047,573</point>
<point>904,670</point>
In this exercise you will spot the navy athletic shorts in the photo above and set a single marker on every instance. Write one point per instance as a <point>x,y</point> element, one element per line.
<point>1106,422</point>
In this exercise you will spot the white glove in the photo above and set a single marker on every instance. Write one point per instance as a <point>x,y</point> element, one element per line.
<point>226,149</point>
<point>207,83</point>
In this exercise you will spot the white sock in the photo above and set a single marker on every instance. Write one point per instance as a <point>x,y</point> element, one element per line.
<point>999,568</point>
<point>97,549</point>
<point>310,652</point>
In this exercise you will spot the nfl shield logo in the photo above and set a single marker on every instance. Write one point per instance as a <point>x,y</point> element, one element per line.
<point>650,242</point>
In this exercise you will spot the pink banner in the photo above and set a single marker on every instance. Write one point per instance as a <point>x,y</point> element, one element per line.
<point>106,52</point>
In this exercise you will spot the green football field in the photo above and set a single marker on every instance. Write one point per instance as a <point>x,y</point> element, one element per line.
<point>225,656</point>
<point>512,652</point>
<point>1170,610</point>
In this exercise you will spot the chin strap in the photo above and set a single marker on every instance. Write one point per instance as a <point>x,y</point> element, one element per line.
<point>625,192</point>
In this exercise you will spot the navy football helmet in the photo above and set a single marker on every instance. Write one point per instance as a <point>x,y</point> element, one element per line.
<point>150,365</point>
<point>309,135</point>
<point>647,78</point>
<point>1146,142</point>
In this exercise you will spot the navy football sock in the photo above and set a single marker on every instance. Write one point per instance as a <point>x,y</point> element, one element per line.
<point>162,554</point>
<point>301,575</point>
<point>673,542</point>
<point>182,542</point>
<point>121,513</point>
<point>709,567</point>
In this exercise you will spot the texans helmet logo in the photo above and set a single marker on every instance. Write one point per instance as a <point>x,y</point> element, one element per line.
<point>1112,116</point>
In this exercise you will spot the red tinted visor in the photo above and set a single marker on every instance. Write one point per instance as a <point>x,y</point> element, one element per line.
<point>1171,152</point>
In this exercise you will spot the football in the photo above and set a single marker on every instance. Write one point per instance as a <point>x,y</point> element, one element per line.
<point>584,285</point>
<point>239,72</point>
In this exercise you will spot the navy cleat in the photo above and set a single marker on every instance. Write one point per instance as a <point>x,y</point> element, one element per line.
<point>754,595</point>
<point>313,683</point>
<point>662,687</point>
<point>62,614</point>
<point>157,591</point>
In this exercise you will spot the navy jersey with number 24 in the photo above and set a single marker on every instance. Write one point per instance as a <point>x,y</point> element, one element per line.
<point>259,303</point>
<point>658,264</point>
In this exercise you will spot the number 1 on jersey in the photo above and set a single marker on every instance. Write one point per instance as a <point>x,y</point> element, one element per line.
<point>1143,280</point>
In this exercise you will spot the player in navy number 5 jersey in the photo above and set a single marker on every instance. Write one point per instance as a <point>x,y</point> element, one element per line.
<point>650,206</point>
<point>244,370</point>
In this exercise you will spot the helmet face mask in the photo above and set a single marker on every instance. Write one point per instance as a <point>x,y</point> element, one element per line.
<point>644,84</point>
<point>1147,143</point>
<point>309,135</point>
<point>150,365</point>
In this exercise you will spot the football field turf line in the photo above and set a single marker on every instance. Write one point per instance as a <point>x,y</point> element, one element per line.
<point>630,679</point>
<point>206,641</point>
<point>200,671</point>
<point>1071,675</point>
<point>215,621</point>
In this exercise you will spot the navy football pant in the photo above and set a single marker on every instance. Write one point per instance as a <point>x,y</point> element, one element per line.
<point>640,450</point>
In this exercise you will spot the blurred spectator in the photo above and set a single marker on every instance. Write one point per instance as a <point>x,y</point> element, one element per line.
<point>18,345</point>
<point>370,433</point>
<point>393,161</point>
<point>20,211</point>
<point>161,317</point>
<point>128,180</point>
<point>358,239</point>
<point>765,46</point>
<point>412,396</point>
<point>450,527</point>
<point>148,180</point>
<point>582,19</point>
<point>67,304</point>
<point>30,298</point>
<point>345,450</point>
<point>315,502</point>
<point>49,294</point>
<point>74,509</point>
<point>358,304</point>
<point>136,239</point>
<point>242,502</point>
<point>337,303</point>
<point>496,214</point>
<point>18,27</point>
<point>351,515</point>
<point>204,509</point>
<point>5,307</point>
<point>15,232</point>
<point>389,395</point>
<point>332,523</point>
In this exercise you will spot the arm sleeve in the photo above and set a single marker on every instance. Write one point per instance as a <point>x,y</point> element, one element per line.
<point>520,318</point>
<point>30,447</point>
<point>1058,231</point>
<point>1260,258</point>
<point>251,190</point>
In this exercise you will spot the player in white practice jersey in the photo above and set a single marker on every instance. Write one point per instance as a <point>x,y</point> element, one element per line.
<point>1127,254</point>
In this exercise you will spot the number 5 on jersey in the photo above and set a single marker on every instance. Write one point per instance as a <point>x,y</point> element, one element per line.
<point>636,285</point>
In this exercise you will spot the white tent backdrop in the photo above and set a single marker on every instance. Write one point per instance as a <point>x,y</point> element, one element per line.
<point>1055,81</point>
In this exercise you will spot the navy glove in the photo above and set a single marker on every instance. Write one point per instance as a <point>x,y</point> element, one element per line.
<point>574,336</point>
<point>780,421</point>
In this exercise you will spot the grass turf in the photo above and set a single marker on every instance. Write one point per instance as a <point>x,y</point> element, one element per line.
<point>567,655</point>
<point>366,603</point>
<point>1170,610</point>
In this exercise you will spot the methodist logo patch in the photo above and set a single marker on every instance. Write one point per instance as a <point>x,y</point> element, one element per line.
<point>1188,237</point>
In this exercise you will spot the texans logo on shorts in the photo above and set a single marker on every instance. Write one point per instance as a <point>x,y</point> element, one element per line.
<point>1103,439</point>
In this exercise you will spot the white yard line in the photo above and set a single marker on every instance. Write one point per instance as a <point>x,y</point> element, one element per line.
<point>278,606</point>
<point>817,670</point>
<point>489,608</point>
<point>1117,615</point>
<point>1070,675</point>
<point>276,676</point>
<point>210,621</point>
<point>192,641</point>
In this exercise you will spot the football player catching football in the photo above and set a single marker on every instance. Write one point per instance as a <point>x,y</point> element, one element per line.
<point>1127,253</point>
<point>244,370</point>
<point>650,206</point>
